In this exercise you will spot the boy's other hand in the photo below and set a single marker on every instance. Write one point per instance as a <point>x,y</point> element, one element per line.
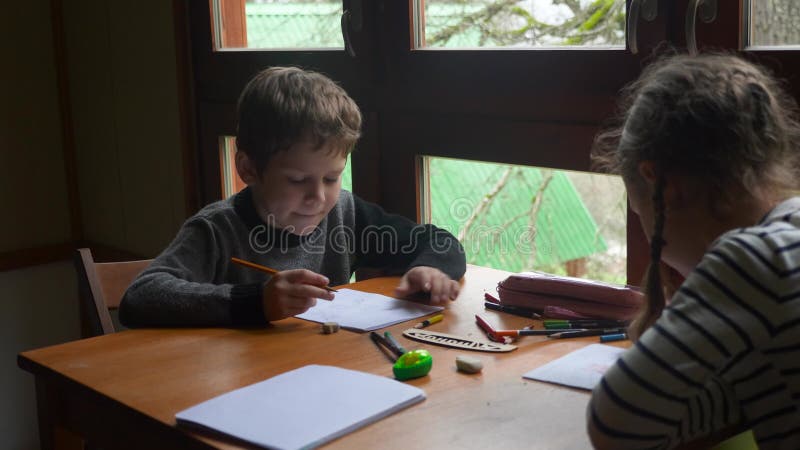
<point>292,292</point>
<point>428,279</point>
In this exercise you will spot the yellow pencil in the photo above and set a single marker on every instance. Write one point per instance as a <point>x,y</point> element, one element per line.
<point>266,269</point>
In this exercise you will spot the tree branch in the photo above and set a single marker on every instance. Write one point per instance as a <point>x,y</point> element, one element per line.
<point>487,200</point>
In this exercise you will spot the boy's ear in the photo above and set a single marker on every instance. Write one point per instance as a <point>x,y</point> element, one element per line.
<point>246,169</point>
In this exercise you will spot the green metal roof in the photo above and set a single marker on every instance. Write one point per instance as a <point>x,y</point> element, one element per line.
<point>563,230</point>
<point>317,25</point>
<point>347,175</point>
<point>294,25</point>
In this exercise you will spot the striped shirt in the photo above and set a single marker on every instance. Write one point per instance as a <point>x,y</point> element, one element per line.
<point>726,350</point>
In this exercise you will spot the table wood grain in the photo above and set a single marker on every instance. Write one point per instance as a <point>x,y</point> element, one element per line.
<point>123,390</point>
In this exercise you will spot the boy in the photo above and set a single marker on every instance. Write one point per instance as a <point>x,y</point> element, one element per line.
<point>295,131</point>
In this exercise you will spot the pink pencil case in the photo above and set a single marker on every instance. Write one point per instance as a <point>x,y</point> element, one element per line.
<point>587,298</point>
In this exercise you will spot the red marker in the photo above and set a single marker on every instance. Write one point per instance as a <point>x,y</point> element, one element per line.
<point>498,335</point>
<point>488,329</point>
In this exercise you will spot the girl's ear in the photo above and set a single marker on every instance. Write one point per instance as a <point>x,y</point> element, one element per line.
<point>675,189</point>
<point>246,169</point>
<point>647,169</point>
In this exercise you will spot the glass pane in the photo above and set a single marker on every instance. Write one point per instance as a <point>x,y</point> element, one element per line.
<point>272,24</point>
<point>774,22</point>
<point>521,218</point>
<point>231,183</point>
<point>528,23</point>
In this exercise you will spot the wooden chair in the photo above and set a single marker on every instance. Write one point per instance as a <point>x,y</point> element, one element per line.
<point>100,288</point>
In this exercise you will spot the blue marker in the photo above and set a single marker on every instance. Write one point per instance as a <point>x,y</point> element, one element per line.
<point>613,337</point>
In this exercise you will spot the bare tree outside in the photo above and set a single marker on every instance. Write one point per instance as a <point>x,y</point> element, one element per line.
<point>515,23</point>
<point>774,22</point>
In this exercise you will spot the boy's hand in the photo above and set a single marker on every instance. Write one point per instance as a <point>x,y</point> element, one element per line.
<point>428,279</point>
<point>292,292</point>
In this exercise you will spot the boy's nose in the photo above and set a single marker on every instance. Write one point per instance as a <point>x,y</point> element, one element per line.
<point>316,193</point>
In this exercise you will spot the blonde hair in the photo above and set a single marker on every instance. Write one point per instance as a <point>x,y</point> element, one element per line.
<point>720,121</point>
<point>282,105</point>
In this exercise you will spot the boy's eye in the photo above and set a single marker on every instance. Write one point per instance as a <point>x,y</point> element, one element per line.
<point>331,180</point>
<point>296,180</point>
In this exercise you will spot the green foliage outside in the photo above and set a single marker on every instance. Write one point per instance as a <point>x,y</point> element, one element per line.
<point>347,175</point>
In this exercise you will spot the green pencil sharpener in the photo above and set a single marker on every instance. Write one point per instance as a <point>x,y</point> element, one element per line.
<point>413,364</point>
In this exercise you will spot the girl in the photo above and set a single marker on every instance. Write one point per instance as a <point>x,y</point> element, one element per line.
<point>708,150</point>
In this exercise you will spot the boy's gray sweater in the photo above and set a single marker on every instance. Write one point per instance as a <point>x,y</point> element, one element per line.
<point>193,283</point>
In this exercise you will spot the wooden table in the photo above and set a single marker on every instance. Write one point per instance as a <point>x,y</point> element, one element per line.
<point>123,390</point>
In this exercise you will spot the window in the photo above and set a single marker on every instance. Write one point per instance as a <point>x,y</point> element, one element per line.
<point>521,218</point>
<point>523,95</point>
<point>773,23</point>
<point>537,23</point>
<point>271,24</point>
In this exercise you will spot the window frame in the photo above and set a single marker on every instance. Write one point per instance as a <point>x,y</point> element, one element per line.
<point>433,102</point>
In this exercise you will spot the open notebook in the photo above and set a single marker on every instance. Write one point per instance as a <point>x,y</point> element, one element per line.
<point>303,408</point>
<point>364,311</point>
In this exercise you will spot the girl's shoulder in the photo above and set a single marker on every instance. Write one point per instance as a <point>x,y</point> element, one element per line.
<point>773,245</point>
<point>779,225</point>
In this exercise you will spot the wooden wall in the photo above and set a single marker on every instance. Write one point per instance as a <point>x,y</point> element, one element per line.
<point>91,153</point>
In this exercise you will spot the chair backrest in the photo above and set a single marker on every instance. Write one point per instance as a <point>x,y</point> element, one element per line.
<point>101,287</point>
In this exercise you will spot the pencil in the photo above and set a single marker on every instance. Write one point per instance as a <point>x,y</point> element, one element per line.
<point>518,333</point>
<point>266,269</point>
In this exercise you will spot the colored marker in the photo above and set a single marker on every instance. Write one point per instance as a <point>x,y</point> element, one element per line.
<point>613,337</point>
<point>498,335</point>
<point>490,298</point>
<point>582,333</point>
<point>382,344</point>
<point>430,321</point>
<point>584,324</point>
<point>515,310</point>
<point>394,346</point>
<point>574,321</point>
<point>486,328</point>
<point>584,320</point>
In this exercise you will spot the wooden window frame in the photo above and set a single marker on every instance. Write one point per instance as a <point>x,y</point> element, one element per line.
<point>532,107</point>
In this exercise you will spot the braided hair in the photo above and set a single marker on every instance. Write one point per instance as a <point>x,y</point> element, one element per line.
<point>717,120</point>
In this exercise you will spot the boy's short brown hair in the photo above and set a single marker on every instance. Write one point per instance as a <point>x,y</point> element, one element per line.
<point>282,105</point>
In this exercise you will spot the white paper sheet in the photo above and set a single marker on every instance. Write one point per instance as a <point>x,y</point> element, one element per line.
<point>303,408</point>
<point>364,311</point>
<point>581,369</point>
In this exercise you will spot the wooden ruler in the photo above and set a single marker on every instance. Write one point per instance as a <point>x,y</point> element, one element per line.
<point>450,340</point>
